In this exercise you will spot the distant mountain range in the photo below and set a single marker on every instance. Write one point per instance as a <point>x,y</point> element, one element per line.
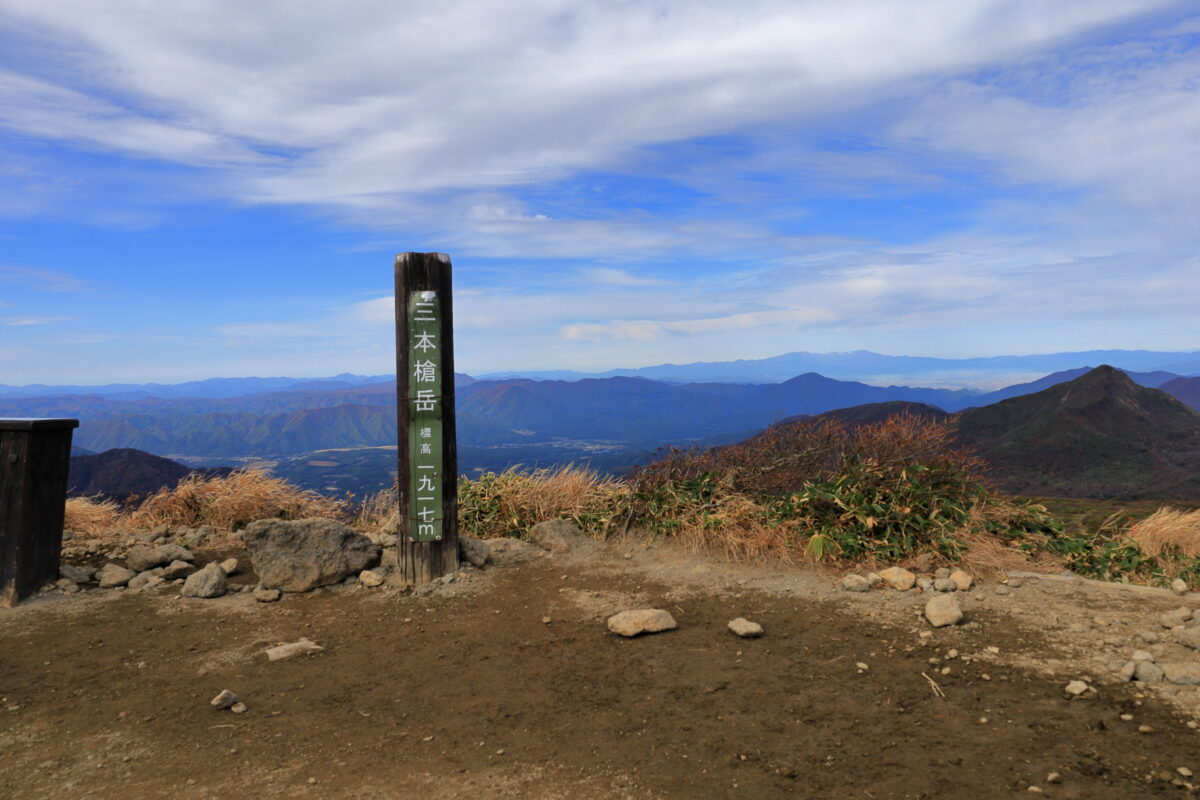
<point>874,368</point>
<point>631,413</point>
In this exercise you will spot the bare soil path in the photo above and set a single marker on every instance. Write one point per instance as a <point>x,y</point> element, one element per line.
<point>468,692</point>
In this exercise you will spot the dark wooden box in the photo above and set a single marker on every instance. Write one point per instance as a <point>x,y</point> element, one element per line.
<point>35,456</point>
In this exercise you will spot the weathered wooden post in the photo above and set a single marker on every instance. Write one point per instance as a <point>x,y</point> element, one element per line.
<point>428,474</point>
<point>35,456</point>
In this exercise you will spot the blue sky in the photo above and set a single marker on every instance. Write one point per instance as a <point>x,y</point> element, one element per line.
<point>218,188</point>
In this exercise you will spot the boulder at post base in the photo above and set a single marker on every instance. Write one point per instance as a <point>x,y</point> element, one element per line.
<point>300,555</point>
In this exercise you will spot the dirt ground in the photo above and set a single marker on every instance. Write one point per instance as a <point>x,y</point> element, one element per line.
<point>468,690</point>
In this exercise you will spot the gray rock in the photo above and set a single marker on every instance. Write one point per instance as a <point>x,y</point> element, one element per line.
<point>1179,586</point>
<point>557,535</point>
<point>943,610</point>
<point>898,578</point>
<point>1142,655</point>
<point>642,620</point>
<point>292,649</point>
<point>174,552</point>
<point>1003,591</point>
<point>76,574</point>
<point>267,595</point>
<point>474,551</point>
<point>1149,637</point>
<point>1172,619</point>
<point>1189,637</point>
<point>924,583</point>
<point>371,578</point>
<point>1077,688</point>
<point>230,566</point>
<point>1128,670</point>
<point>224,700</point>
<point>873,579</point>
<point>945,585</point>
<point>855,583</point>
<point>111,576</point>
<point>745,628</point>
<point>177,569</point>
<point>1147,672</point>
<point>141,558</point>
<point>941,572</point>
<point>150,577</point>
<point>962,580</point>
<point>300,555</point>
<point>207,583</point>
<point>1185,674</point>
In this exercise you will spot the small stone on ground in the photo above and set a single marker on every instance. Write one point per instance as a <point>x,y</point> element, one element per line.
<point>943,610</point>
<point>745,628</point>
<point>292,649</point>
<point>642,620</point>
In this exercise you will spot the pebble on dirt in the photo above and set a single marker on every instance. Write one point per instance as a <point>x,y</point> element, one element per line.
<point>292,649</point>
<point>855,583</point>
<point>1179,586</point>
<point>111,576</point>
<point>898,578</point>
<point>207,583</point>
<point>267,595</point>
<point>1077,688</point>
<point>943,610</point>
<point>371,578</point>
<point>229,566</point>
<point>224,700</point>
<point>961,580</point>
<point>641,620</point>
<point>745,628</point>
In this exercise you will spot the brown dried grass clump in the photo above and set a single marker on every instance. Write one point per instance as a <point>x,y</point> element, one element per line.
<point>511,502</point>
<point>232,501</point>
<point>91,515</point>
<point>1168,531</point>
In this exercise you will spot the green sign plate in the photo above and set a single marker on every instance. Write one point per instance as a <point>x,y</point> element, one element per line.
<point>425,417</point>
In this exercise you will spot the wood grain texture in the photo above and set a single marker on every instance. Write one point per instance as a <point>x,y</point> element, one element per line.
<point>422,562</point>
<point>34,462</point>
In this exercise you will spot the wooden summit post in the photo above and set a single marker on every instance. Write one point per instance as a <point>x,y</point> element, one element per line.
<point>35,456</point>
<point>427,484</point>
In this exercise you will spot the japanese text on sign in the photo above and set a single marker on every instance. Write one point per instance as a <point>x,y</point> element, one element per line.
<point>425,416</point>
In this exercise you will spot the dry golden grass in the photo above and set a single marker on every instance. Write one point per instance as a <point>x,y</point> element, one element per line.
<point>91,515</point>
<point>1168,531</point>
<point>230,502</point>
<point>739,528</point>
<point>509,503</point>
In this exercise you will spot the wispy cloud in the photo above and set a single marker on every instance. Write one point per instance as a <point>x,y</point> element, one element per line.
<point>42,279</point>
<point>20,322</point>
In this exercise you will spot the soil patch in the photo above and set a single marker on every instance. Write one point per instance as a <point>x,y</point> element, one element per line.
<point>470,693</point>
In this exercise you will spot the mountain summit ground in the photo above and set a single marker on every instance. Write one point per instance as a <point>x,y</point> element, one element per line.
<point>507,683</point>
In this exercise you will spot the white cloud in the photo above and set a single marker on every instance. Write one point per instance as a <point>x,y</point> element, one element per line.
<point>354,103</point>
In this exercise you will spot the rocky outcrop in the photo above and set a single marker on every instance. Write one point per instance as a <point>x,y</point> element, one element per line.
<point>301,555</point>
